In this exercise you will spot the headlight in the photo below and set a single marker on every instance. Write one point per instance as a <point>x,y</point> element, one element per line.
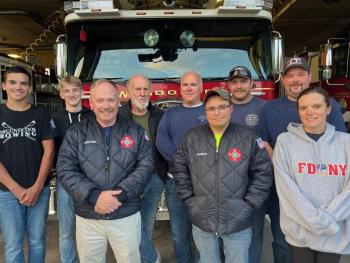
<point>151,37</point>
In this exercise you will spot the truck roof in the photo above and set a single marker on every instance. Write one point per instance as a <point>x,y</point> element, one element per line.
<point>116,14</point>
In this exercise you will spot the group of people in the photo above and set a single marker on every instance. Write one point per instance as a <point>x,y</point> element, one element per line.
<point>224,163</point>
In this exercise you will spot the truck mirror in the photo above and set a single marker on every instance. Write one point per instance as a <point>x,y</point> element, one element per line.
<point>277,54</point>
<point>325,73</point>
<point>61,57</point>
<point>326,55</point>
<point>325,61</point>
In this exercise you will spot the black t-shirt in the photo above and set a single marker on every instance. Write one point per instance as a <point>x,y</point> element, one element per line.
<point>21,136</point>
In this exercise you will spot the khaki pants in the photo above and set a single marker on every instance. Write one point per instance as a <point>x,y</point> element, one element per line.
<point>123,235</point>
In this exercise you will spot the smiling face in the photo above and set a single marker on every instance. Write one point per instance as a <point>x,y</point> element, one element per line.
<point>240,89</point>
<point>17,87</point>
<point>218,113</point>
<point>191,88</point>
<point>295,80</point>
<point>104,102</point>
<point>71,94</point>
<point>313,111</point>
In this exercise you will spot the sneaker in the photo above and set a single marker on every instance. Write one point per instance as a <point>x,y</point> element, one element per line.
<point>159,258</point>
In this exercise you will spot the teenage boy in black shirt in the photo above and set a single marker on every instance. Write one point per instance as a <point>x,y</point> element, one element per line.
<point>71,92</point>
<point>27,152</point>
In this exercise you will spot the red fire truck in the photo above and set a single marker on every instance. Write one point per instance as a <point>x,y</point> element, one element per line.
<point>331,70</point>
<point>164,39</point>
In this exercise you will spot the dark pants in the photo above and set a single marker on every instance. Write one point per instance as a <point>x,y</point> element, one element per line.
<point>307,255</point>
<point>280,247</point>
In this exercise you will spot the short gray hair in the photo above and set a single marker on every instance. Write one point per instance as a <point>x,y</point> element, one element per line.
<point>138,75</point>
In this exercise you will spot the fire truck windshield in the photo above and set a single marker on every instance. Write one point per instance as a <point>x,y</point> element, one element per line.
<point>117,49</point>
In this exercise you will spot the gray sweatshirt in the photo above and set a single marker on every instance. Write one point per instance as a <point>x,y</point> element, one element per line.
<point>313,184</point>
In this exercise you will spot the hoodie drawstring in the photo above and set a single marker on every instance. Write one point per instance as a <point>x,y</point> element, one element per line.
<point>70,117</point>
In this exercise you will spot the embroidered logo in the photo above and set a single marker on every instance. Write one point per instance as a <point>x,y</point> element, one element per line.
<point>127,142</point>
<point>235,155</point>
<point>202,118</point>
<point>252,120</point>
<point>89,142</point>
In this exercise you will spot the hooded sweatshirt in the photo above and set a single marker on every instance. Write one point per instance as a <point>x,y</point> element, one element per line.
<point>65,119</point>
<point>313,184</point>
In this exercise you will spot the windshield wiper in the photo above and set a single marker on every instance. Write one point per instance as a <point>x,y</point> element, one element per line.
<point>171,80</point>
<point>215,79</point>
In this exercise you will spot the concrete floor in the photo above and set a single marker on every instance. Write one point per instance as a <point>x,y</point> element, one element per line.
<point>162,239</point>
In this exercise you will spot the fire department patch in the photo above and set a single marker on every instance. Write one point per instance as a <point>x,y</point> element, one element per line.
<point>234,155</point>
<point>127,142</point>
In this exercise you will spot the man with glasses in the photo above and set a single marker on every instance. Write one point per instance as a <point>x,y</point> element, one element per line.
<point>223,174</point>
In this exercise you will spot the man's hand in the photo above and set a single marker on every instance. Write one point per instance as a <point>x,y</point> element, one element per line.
<point>17,191</point>
<point>30,195</point>
<point>107,202</point>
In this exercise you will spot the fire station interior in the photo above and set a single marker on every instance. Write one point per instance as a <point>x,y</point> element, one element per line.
<point>29,29</point>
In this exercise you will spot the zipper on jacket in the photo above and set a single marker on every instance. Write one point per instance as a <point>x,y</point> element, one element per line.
<point>107,162</point>
<point>217,190</point>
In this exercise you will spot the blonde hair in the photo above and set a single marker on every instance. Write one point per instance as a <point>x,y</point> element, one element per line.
<point>70,80</point>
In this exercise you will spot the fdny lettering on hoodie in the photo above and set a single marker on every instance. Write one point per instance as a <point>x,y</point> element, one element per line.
<point>322,168</point>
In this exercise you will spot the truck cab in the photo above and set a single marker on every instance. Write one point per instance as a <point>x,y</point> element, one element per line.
<point>162,40</point>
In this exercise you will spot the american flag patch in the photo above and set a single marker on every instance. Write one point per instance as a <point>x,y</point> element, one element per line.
<point>260,143</point>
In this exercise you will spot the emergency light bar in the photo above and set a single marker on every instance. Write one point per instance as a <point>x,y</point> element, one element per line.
<point>249,4</point>
<point>70,6</point>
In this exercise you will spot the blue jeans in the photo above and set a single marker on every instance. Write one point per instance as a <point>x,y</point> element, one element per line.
<point>149,208</point>
<point>257,235</point>
<point>66,221</point>
<point>179,223</point>
<point>236,246</point>
<point>17,220</point>
<point>280,247</point>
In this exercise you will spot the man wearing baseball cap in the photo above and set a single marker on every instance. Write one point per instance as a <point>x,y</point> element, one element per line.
<point>276,116</point>
<point>223,174</point>
<point>247,108</point>
<point>247,112</point>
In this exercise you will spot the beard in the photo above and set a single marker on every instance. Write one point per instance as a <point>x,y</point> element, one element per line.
<point>140,105</point>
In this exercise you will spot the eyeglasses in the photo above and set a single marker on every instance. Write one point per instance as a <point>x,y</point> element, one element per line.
<point>219,108</point>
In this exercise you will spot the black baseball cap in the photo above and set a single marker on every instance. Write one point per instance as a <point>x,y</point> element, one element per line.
<point>217,92</point>
<point>240,71</point>
<point>296,62</point>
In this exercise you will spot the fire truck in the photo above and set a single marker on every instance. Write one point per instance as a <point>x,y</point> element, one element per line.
<point>163,39</point>
<point>330,68</point>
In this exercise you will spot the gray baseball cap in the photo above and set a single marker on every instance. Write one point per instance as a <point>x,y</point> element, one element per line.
<point>296,62</point>
<point>219,92</point>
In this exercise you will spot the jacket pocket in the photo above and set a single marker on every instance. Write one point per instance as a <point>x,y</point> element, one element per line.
<point>239,214</point>
<point>197,209</point>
